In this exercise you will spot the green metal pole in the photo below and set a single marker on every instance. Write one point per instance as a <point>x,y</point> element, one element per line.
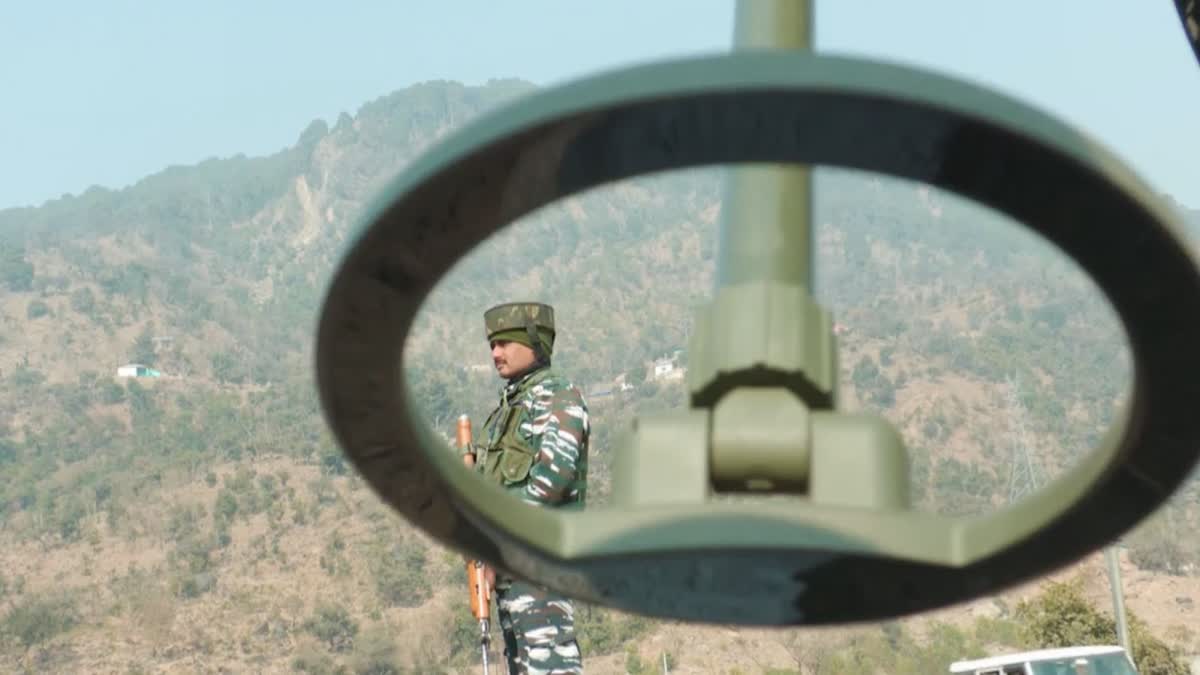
<point>763,328</point>
<point>765,229</point>
<point>763,354</point>
<point>1118,597</point>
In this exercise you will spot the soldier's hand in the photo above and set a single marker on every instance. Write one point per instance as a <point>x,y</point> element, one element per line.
<point>489,573</point>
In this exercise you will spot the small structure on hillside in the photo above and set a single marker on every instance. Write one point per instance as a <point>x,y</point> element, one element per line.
<point>137,370</point>
<point>606,389</point>
<point>668,368</point>
<point>620,383</point>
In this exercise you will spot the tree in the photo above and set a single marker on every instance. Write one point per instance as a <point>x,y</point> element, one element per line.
<point>83,300</point>
<point>143,348</point>
<point>332,623</point>
<point>15,271</point>
<point>635,369</point>
<point>1062,617</point>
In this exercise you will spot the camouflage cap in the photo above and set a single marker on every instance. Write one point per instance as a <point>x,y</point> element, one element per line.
<point>514,315</point>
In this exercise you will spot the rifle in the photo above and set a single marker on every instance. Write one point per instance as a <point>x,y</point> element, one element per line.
<point>476,579</point>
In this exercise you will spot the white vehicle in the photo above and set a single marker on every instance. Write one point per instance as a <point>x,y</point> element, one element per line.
<point>1104,660</point>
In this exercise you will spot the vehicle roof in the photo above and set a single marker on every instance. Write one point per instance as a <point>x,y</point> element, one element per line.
<point>1036,655</point>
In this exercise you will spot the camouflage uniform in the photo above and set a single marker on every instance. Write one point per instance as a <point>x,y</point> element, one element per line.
<point>536,448</point>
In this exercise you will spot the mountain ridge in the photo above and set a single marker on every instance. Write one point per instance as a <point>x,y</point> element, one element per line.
<point>942,303</point>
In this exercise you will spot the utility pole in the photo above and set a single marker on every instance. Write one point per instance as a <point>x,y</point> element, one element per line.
<point>1025,479</point>
<point>1118,597</point>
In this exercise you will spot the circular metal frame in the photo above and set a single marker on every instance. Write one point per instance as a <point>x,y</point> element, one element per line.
<point>1189,19</point>
<point>777,108</point>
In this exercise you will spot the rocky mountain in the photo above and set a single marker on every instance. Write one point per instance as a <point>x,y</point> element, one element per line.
<point>204,520</point>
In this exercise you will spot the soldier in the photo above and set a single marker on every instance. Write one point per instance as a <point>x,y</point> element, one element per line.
<point>535,446</point>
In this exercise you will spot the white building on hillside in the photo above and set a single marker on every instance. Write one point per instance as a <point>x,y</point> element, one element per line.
<point>137,370</point>
<point>667,368</point>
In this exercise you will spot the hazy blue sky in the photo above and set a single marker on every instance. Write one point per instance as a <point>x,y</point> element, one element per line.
<point>108,92</point>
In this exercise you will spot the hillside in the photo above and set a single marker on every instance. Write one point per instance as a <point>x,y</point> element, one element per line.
<point>204,520</point>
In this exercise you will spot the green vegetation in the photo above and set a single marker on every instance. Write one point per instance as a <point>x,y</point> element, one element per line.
<point>1061,617</point>
<point>36,619</point>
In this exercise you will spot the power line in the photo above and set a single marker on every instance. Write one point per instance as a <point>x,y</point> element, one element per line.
<point>1024,477</point>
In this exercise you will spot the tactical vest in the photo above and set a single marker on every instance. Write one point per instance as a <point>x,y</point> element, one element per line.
<point>506,456</point>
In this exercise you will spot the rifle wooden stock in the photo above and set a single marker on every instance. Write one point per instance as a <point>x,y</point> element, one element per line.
<point>481,593</point>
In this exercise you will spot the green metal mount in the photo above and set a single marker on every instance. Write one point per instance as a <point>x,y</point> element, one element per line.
<point>762,440</point>
<point>763,357</point>
<point>764,376</point>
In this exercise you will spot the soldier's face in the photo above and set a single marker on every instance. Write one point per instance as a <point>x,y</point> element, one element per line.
<point>511,358</point>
